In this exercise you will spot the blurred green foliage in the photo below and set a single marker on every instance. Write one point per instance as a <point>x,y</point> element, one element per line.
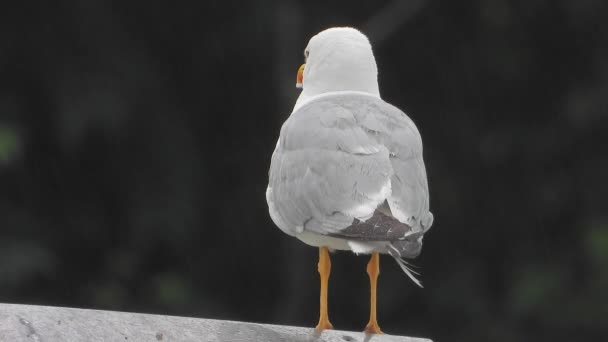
<point>9,143</point>
<point>137,136</point>
<point>596,245</point>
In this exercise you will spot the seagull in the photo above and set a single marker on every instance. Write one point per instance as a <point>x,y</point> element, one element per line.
<point>347,172</point>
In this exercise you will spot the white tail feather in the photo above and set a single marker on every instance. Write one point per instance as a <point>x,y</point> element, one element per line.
<point>408,271</point>
<point>404,265</point>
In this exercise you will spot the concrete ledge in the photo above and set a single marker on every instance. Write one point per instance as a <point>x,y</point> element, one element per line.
<point>48,324</point>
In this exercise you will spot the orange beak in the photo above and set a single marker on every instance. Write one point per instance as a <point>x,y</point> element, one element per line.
<point>300,77</point>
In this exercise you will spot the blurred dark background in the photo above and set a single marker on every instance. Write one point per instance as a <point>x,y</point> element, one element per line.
<point>135,141</point>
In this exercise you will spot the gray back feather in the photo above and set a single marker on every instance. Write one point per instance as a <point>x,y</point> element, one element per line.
<point>338,159</point>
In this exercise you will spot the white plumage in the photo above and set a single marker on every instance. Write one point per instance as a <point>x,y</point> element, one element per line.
<point>347,171</point>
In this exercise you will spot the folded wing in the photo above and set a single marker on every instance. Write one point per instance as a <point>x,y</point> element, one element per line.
<point>340,158</point>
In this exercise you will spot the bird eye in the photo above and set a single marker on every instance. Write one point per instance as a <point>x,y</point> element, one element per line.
<point>306,53</point>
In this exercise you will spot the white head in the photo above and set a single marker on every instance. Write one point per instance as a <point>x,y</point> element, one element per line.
<point>338,59</point>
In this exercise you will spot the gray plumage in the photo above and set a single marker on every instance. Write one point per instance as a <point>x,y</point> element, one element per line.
<point>349,165</point>
<point>347,172</point>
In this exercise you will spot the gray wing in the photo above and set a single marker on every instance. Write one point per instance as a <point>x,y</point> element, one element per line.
<point>341,157</point>
<point>409,198</point>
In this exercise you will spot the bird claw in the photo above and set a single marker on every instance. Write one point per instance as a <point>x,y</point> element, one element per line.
<point>372,328</point>
<point>324,325</point>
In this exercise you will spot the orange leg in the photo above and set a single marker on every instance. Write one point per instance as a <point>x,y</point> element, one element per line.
<point>373,270</point>
<point>324,270</point>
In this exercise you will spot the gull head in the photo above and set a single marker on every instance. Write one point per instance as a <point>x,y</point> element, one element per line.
<point>338,59</point>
